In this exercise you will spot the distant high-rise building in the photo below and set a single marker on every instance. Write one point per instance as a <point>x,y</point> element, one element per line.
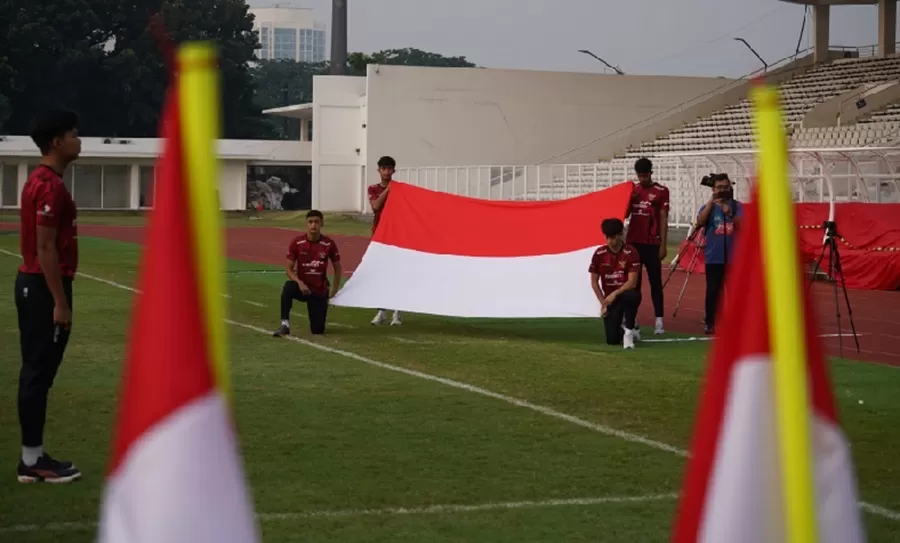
<point>287,33</point>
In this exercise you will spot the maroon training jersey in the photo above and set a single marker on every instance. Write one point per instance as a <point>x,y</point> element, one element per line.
<point>47,202</point>
<point>614,267</point>
<point>311,261</point>
<point>646,206</point>
<point>374,192</point>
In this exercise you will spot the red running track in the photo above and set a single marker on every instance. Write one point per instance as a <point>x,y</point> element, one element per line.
<point>875,313</point>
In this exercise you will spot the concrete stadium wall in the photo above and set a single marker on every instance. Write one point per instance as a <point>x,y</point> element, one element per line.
<point>470,116</point>
<point>338,146</point>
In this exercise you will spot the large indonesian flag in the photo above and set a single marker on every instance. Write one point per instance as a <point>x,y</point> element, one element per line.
<point>769,461</point>
<point>176,473</point>
<point>451,255</point>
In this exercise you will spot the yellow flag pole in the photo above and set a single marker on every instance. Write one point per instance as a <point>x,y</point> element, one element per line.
<point>787,326</point>
<point>198,102</point>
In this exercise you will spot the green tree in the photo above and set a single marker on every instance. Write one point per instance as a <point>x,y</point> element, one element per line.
<point>52,56</point>
<point>115,77</point>
<point>137,70</point>
<point>357,62</point>
<point>284,82</point>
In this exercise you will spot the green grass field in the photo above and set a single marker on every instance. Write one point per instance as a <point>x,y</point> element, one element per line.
<point>336,223</point>
<point>343,448</point>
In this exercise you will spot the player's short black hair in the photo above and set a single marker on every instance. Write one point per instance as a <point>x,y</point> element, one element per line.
<point>50,125</point>
<point>612,227</point>
<point>387,162</point>
<point>643,165</point>
<point>314,213</point>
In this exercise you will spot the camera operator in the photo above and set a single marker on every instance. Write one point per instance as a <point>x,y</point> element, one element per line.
<point>719,218</point>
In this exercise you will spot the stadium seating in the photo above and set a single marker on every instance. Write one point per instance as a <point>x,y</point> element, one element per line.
<point>864,133</point>
<point>731,127</point>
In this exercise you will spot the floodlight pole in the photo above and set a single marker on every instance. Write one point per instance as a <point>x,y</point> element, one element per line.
<point>752,50</point>
<point>608,65</point>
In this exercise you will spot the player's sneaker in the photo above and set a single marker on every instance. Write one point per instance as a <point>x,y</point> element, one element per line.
<point>636,332</point>
<point>628,339</point>
<point>282,331</point>
<point>395,321</point>
<point>379,319</point>
<point>48,470</point>
<point>659,327</point>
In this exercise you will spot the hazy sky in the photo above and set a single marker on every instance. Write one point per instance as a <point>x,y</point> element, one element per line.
<point>678,37</point>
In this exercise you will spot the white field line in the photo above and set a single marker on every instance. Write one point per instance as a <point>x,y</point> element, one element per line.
<point>294,313</point>
<point>345,513</point>
<point>550,412</point>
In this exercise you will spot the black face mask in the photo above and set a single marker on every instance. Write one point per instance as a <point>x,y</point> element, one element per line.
<point>725,194</point>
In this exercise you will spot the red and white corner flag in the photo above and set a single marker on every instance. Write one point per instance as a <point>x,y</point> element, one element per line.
<point>769,461</point>
<point>176,474</point>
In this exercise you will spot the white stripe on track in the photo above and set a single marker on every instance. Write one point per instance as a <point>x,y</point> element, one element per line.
<point>550,412</point>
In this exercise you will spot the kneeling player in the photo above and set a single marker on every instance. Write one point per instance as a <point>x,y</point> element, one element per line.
<point>307,270</point>
<point>615,268</point>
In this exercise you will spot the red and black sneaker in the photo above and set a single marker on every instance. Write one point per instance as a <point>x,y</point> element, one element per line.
<point>48,470</point>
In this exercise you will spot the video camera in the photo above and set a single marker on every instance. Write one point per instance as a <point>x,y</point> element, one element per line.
<point>710,180</point>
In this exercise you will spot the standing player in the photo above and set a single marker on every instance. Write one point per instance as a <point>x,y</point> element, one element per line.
<point>719,218</point>
<point>307,270</point>
<point>49,245</point>
<point>378,195</point>
<point>615,269</point>
<point>648,231</point>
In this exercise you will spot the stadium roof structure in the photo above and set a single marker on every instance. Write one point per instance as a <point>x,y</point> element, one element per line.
<point>832,2</point>
<point>150,148</point>
<point>296,111</point>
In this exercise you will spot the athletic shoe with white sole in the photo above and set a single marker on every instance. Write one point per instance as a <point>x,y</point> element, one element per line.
<point>395,321</point>
<point>628,339</point>
<point>282,331</point>
<point>659,327</point>
<point>48,470</point>
<point>379,318</point>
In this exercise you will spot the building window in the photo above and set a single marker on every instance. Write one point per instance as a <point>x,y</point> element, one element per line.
<point>147,186</point>
<point>116,187</point>
<point>285,44</point>
<point>9,185</point>
<point>318,54</point>
<point>264,41</point>
<point>87,180</point>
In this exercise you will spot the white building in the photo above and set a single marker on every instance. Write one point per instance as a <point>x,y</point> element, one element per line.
<point>288,33</point>
<point>119,173</point>
<point>458,117</point>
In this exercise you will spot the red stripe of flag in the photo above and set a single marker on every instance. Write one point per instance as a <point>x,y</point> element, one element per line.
<point>441,223</point>
<point>167,363</point>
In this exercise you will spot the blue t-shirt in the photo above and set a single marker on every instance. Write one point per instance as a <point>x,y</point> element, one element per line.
<point>715,231</point>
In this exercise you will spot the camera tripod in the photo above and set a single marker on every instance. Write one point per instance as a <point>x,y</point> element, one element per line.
<point>691,241</point>
<point>834,270</point>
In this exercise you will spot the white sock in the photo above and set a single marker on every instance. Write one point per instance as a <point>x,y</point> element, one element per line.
<point>659,321</point>
<point>396,314</point>
<point>30,455</point>
<point>285,323</point>
<point>380,313</point>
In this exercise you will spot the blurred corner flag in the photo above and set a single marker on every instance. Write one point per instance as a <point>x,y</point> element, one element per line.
<point>769,461</point>
<point>176,474</point>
